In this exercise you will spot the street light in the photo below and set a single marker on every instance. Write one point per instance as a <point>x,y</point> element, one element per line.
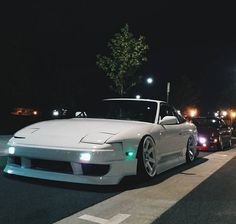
<point>149,80</point>
<point>167,92</point>
<point>192,112</point>
<point>233,114</point>
<point>138,96</point>
<point>224,113</point>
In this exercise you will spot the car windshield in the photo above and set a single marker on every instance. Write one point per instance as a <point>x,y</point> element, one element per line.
<point>125,110</point>
<point>206,122</point>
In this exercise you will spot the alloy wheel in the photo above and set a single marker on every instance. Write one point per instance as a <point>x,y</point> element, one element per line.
<point>191,150</point>
<point>149,156</point>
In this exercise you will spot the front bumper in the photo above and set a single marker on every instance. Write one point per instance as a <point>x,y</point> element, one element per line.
<point>206,147</point>
<point>30,161</point>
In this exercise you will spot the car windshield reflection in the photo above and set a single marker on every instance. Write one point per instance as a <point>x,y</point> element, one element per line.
<point>206,122</point>
<point>125,110</point>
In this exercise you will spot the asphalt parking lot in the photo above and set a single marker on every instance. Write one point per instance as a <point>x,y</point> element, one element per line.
<point>207,200</point>
<point>213,201</point>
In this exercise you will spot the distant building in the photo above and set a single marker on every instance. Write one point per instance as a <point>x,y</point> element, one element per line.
<point>22,111</point>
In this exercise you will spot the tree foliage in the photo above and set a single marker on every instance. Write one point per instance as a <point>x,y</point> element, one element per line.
<point>127,54</point>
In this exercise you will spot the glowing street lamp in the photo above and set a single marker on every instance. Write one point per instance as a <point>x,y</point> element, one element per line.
<point>216,114</point>
<point>193,112</point>
<point>149,80</point>
<point>224,113</point>
<point>233,115</point>
<point>55,113</point>
<point>35,112</point>
<point>138,96</point>
<point>168,92</point>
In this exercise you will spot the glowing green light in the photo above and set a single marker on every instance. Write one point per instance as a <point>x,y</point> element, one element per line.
<point>130,154</point>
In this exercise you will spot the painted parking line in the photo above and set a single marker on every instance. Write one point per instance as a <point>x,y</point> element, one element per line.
<point>146,204</point>
<point>117,219</point>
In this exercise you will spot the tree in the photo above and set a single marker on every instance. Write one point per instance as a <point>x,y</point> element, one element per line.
<point>127,54</point>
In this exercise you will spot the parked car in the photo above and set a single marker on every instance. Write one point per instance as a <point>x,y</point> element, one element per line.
<point>125,137</point>
<point>213,133</point>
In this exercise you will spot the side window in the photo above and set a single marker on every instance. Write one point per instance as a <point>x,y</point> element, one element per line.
<point>163,111</point>
<point>180,118</point>
<point>166,110</point>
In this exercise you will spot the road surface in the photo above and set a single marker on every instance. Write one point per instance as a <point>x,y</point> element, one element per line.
<point>198,193</point>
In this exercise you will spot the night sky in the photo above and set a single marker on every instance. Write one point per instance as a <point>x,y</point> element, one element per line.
<point>49,49</point>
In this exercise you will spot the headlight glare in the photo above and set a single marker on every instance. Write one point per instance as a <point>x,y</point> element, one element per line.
<point>11,150</point>
<point>202,140</point>
<point>85,156</point>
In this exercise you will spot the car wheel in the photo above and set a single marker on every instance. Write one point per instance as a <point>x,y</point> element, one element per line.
<point>220,145</point>
<point>147,158</point>
<point>191,152</point>
<point>230,143</point>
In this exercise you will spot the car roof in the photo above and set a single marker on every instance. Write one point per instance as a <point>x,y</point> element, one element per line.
<point>134,99</point>
<point>207,118</point>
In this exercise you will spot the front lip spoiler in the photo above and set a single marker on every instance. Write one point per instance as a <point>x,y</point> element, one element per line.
<point>47,175</point>
<point>207,147</point>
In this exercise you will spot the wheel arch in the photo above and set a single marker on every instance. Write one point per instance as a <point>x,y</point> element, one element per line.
<point>141,141</point>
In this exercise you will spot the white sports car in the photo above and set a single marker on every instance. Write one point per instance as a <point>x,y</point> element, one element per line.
<point>125,137</point>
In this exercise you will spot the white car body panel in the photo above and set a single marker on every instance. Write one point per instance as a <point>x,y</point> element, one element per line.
<point>63,142</point>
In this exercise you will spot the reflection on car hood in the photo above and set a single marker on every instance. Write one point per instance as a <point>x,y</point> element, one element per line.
<point>69,132</point>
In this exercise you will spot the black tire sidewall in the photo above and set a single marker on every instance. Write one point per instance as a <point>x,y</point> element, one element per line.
<point>188,160</point>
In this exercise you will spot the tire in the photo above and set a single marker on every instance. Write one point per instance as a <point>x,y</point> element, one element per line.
<point>147,163</point>
<point>191,152</point>
<point>229,143</point>
<point>220,145</point>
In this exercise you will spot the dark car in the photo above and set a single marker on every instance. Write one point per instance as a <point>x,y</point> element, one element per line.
<point>213,133</point>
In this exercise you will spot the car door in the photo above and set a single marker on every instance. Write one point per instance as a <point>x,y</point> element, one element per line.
<point>171,140</point>
<point>224,131</point>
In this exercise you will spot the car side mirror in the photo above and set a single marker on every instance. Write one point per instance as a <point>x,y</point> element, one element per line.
<point>168,120</point>
<point>80,114</point>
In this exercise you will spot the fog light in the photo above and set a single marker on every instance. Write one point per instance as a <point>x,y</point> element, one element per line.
<point>11,150</point>
<point>10,171</point>
<point>85,157</point>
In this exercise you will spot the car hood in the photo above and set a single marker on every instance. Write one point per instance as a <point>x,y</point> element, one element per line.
<point>70,132</point>
<point>206,130</point>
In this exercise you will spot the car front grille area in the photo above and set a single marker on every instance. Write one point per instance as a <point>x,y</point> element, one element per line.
<point>95,170</point>
<point>61,166</point>
<point>51,165</point>
<point>15,160</point>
